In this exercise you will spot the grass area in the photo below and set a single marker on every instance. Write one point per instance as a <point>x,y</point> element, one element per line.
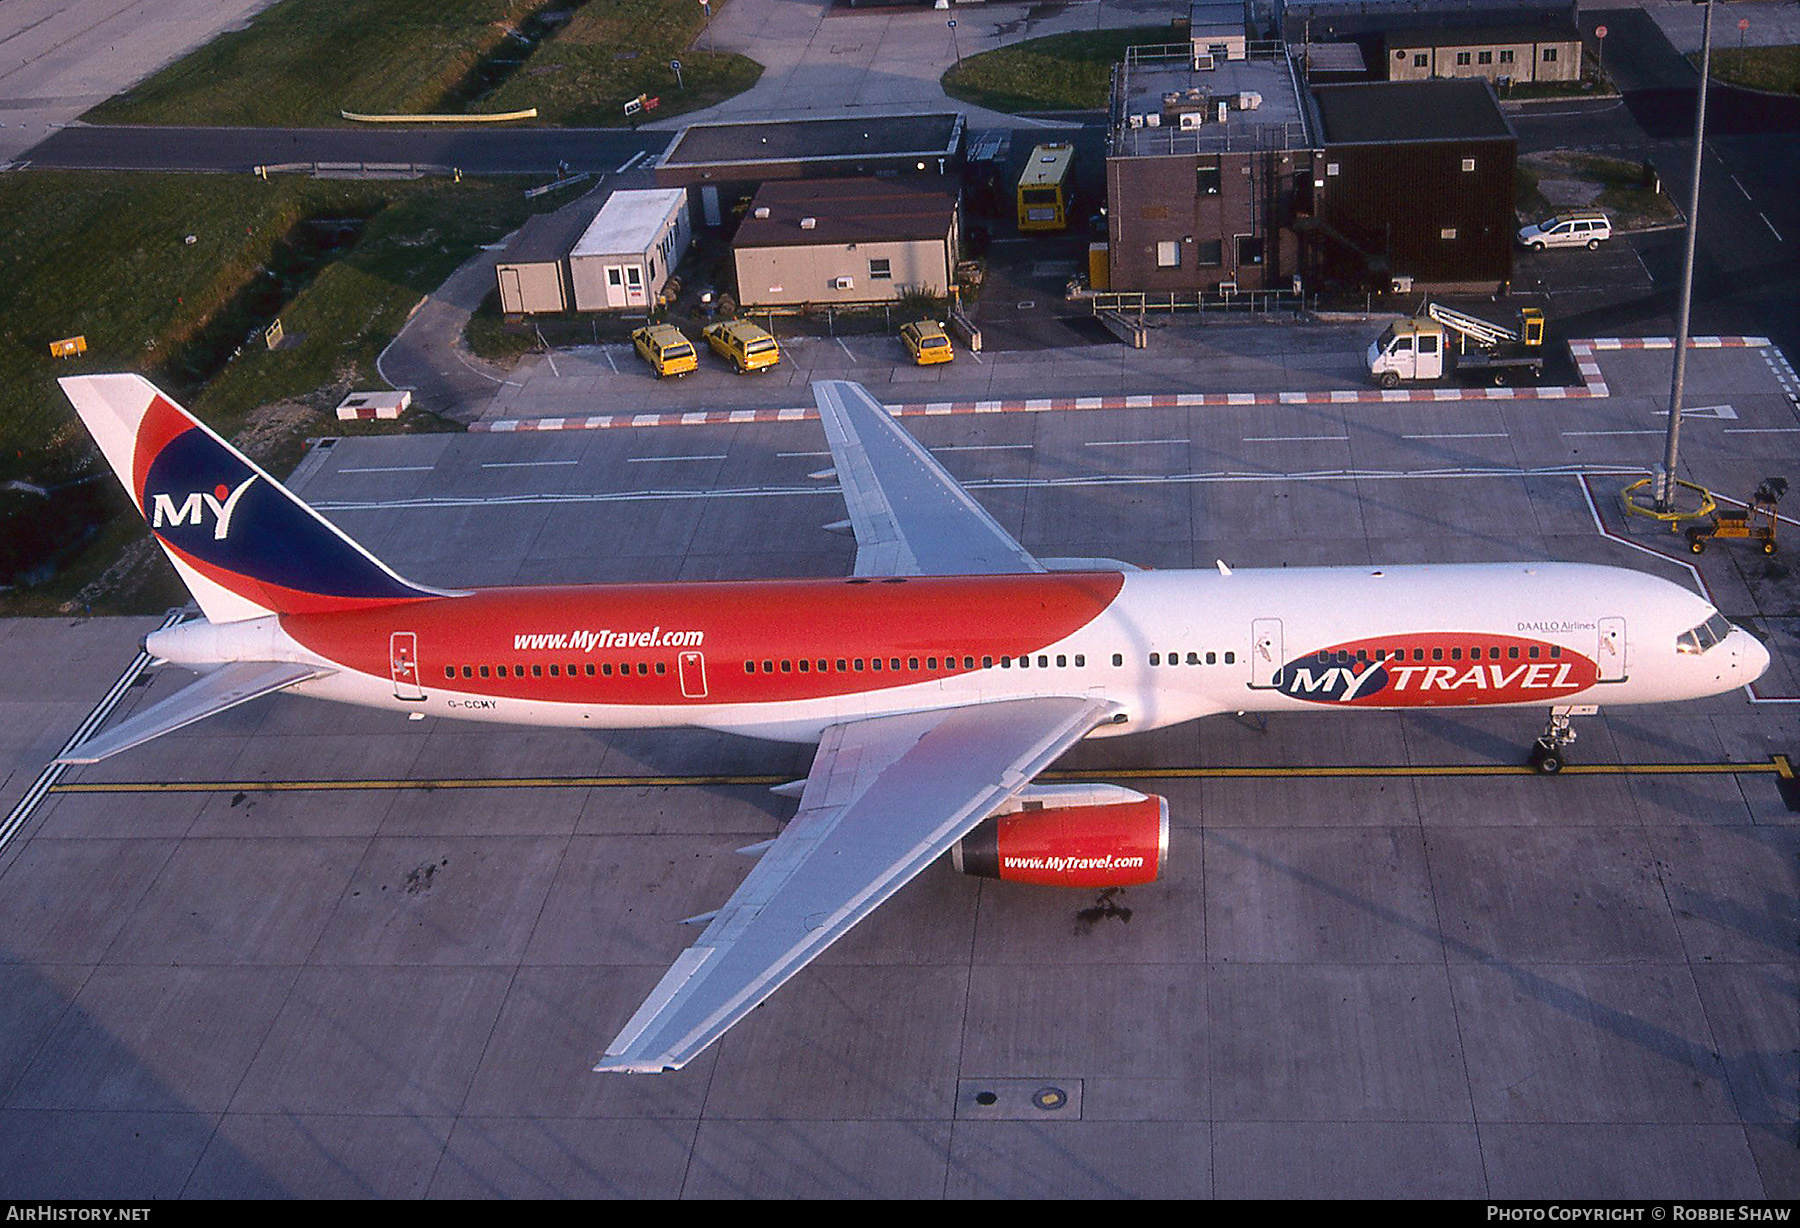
<point>107,257</point>
<point>302,61</point>
<point>1062,72</point>
<point>1613,184</point>
<point>1776,69</point>
<point>1594,81</point>
<point>610,51</point>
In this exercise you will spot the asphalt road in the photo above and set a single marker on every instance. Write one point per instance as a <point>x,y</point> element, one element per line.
<point>476,151</point>
<point>1747,260</point>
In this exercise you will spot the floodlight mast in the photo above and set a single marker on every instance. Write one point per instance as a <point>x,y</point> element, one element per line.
<point>1664,486</point>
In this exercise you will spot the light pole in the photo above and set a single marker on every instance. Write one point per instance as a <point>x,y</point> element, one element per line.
<point>1665,477</point>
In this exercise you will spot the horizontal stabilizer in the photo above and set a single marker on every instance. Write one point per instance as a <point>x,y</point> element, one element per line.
<point>226,687</point>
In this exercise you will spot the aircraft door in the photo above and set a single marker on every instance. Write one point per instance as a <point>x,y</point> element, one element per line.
<point>692,668</point>
<point>403,660</point>
<point>1612,650</point>
<point>1265,652</point>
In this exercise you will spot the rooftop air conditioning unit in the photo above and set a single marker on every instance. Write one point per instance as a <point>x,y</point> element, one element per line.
<point>762,211</point>
<point>807,223</point>
<point>1135,121</point>
<point>843,283</point>
<point>1152,119</point>
<point>1192,119</point>
<point>1203,62</point>
<point>1224,110</point>
<point>1249,100</point>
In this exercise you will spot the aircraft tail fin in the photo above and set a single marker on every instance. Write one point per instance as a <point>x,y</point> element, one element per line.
<point>243,544</point>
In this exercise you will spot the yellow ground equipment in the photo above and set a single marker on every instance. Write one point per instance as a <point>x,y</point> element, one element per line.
<point>1756,522</point>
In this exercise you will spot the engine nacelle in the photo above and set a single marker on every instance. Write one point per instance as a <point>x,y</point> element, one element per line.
<point>1111,844</point>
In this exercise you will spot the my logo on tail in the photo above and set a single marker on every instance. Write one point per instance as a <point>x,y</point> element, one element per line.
<point>223,502</point>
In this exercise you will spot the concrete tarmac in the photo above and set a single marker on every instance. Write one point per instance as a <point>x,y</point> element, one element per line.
<point>58,58</point>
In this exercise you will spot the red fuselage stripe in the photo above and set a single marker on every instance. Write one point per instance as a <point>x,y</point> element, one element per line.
<point>744,642</point>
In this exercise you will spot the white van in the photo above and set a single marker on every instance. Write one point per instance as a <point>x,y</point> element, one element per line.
<point>1579,228</point>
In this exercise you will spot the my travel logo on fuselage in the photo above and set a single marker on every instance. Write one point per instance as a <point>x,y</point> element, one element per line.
<point>1436,670</point>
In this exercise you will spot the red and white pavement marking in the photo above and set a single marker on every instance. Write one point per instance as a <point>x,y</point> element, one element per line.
<point>1593,384</point>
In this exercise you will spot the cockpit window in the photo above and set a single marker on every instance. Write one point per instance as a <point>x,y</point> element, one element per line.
<point>1703,637</point>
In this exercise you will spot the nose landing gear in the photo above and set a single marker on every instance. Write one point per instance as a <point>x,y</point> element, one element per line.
<point>1550,751</point>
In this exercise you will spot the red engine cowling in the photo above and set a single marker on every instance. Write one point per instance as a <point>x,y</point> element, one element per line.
<point>1116,845</point>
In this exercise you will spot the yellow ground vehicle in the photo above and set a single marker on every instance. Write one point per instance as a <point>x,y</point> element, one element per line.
<point>1045,188</point>
<point>927,342</point>
<point>1755,523</point>
<point>742,344</point>
<point>665,349</point>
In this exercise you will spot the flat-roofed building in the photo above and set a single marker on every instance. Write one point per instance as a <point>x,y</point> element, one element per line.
<point>1541,51</point>
<point>628,251</point>
<point>723,162</point>
<point>846,241</point>
<point>1218,28</point>
<point>1207,168</point>
<point>1414,182</point>
<point>532,274</point>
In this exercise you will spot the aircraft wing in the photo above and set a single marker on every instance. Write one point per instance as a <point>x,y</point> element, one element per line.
<point>884,799</point>
<point>225,687</point>
<point>911,518</point>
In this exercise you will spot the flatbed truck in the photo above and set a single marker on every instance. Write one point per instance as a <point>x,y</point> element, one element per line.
<point>1442,340</point>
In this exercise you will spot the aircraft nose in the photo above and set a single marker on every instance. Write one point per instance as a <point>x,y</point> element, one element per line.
<point>1753,654</point>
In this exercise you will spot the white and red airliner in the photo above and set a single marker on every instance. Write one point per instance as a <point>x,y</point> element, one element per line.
<point>937,681</point>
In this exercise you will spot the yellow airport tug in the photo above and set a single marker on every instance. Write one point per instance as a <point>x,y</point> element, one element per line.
<point>1756,522</point>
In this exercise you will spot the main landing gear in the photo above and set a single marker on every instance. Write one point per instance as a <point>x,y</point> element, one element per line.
<point>1550,751</point>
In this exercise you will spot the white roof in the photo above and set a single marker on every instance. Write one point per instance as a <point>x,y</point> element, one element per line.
<point>630,221</point>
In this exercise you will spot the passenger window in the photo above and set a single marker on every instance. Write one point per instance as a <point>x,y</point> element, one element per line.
<point>1080,660</point>
<point>1212,658</point>
<point>554,673</point>
<point>1043,662</point>
<point>987,663</point>
<point>805,666</point>
<point>1231,658</point>
<point>537,671</point>
<point>1156,658</point>
<point>787,667</point>
<point>484,671</point>
<point>1118,658</point>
